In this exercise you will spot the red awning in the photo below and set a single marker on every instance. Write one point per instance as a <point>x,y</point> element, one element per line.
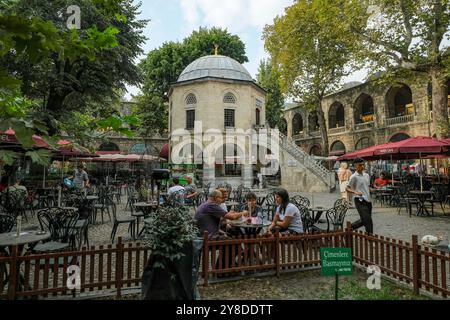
<point>65,147</point>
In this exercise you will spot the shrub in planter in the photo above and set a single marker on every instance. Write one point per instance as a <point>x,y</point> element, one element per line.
<point>171,272</point>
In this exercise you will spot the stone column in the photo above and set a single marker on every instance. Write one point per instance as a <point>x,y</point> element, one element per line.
<point>288,119</point>
<point>247,175</point>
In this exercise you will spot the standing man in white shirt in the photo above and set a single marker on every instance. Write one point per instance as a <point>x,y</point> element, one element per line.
<point>359,185</point>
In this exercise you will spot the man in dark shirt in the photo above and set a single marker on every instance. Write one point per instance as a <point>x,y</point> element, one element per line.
<point>208,215</point>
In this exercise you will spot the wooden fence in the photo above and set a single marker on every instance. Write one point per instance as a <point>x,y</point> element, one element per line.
<point>44,275</point>
<point>121,266</point>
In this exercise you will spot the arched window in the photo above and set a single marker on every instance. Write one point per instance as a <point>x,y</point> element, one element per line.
<point>109,146</point>
<point>399,137</point>
<point>336,115</point>
<point>191,99</point>
<point>229,98</point>
<point>258,116</point>
<point>364,109</point>
<point>337,148</point>
<point>283,126</point>
<point>313,121</point>
<point>297,124</point>
<point>316,150</point>
<point>363,143</point>
<point>399,101</point>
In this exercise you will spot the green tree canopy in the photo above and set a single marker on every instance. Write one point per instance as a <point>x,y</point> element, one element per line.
<point>162,67</point>
<point>405,38</point>
<point>269,78</point>
<point>77,66</point>
<point>313,50</point>
<point>48,72</point>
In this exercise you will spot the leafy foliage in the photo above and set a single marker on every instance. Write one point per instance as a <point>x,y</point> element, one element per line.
<point>269,78</point>
<point>76,67</point>
<point>313,49</point>
<point>162,67</point>
<point>169,231</point>
<point>405,38</point>
<point>53,79</point>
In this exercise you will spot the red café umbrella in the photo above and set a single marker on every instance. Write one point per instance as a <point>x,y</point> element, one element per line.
<point>411,147</point>
<point>362,153</point>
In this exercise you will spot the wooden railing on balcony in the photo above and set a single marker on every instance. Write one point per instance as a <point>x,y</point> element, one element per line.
<point>400,120</point>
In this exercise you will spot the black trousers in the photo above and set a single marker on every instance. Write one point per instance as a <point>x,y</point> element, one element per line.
<point>365,212</point>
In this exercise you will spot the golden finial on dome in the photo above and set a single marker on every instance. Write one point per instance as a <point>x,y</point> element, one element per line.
<point>216,49</point>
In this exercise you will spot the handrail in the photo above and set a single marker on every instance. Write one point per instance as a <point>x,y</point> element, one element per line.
<point>308,161</point>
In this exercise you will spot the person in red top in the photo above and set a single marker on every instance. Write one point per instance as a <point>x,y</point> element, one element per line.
<point>382,181</point>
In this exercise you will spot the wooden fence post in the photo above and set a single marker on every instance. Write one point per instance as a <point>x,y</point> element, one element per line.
<point>13,274</point>
<point>277,251</point>
<point>119,267</point>
<point>205,258</point>
<point>349,235</point>
<point>417,261</point>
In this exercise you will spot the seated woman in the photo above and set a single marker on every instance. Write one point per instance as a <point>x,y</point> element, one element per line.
<point>287,216</point>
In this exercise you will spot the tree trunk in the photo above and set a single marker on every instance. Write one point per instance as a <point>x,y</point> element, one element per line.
<point>323,128</point>
<point>440,104</point>
<point>54,108</point>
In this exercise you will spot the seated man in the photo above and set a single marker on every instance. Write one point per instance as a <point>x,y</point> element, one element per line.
<point>382,181</point>
<point>176,187</point>
<point>191,190</point>
<point>209,214</point>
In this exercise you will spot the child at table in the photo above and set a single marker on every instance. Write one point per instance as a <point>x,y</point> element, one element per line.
<point>254,211</point>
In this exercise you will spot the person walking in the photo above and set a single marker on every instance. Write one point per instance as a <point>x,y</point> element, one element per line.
<point>81,178</point>
<point>344,175</point>
<point>359,185</point>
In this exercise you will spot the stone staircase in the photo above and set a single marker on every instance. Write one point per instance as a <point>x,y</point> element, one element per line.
<point>314,166</point>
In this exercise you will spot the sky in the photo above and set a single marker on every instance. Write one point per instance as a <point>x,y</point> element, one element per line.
<point>173,20</point>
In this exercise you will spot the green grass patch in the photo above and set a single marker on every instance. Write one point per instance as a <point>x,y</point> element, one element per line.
<point>353,289</point>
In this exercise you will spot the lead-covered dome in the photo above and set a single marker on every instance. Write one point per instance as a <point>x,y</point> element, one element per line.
<point>217,67</point>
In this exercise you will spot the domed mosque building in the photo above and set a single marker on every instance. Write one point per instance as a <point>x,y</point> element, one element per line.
<point>213,107</point>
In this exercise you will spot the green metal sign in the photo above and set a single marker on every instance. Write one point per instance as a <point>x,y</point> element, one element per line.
<point>336,261</point>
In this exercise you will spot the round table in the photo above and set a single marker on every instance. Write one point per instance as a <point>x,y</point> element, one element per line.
<point>317,213</point>
<point>10,239</point>
<point>249,228</point>
<point>422,196</point>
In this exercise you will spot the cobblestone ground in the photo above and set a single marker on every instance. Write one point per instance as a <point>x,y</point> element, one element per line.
<point>387,222</point>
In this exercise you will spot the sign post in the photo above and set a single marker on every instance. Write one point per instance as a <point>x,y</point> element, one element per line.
<point>336,262</point>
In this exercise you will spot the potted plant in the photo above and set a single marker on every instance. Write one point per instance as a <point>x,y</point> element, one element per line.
<point>171,272</point>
